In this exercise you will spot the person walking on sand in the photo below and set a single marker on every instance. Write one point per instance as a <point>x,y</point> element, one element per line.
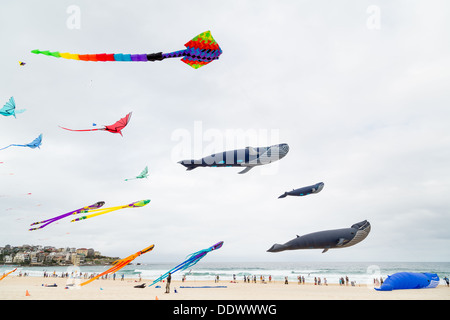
<point>169,278</point>
<point>447,281</point>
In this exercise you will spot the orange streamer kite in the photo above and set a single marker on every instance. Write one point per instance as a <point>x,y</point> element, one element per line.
<point>119,264</point>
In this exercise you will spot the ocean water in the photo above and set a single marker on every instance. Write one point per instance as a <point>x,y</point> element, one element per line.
<point>359,272</point>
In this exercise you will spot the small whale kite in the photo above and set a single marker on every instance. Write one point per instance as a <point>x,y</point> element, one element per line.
<point>9,109</point>
<point>329,239</point>
<point>304,191</point>
<point>113,128</point>
<point>200,51</point>
<point>36,143</point>
<point>247,158</point>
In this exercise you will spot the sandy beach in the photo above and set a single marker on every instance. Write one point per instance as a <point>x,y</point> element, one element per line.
<point>16,288</point>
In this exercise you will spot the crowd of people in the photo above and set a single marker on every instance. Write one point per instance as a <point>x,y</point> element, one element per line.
<point>343,281</point>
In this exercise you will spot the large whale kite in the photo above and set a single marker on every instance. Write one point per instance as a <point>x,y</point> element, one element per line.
<point>328,239</point>
<point>304,191</point>
<point>244,158</point>
<point>409,280</point>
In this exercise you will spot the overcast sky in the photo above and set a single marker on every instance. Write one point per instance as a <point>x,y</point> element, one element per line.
<point>358,89</point>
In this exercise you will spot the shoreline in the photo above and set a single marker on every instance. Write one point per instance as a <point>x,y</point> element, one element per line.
<point>40,288</point>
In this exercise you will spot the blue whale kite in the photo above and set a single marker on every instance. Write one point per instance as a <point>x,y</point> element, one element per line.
<point>304,191</point>
<point>247,158</point>
<point>409,280</point>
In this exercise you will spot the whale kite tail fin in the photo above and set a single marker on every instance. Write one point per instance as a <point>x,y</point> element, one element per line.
<point>283,195</point>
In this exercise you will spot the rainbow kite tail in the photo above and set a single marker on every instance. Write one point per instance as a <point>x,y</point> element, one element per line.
<point>200,51</point>
<point>95,57</point>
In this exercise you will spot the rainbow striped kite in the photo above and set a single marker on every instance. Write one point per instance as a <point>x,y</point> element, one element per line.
<point>199,51</point>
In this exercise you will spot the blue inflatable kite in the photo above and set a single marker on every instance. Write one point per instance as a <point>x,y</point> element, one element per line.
<point>409,280</point>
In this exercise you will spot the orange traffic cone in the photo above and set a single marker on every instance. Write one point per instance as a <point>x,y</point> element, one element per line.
<point>27,293</point>
<point>156,298</point>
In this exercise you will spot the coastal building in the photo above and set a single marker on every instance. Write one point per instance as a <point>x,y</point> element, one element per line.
<point>42,255</point>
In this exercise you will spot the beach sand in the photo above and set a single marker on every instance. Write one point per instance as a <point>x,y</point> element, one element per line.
<point>15,288</point>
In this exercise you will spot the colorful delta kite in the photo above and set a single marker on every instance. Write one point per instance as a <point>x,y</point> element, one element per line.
<point>36,143</point>
<point>199,51</point>
<point>113,128</point>
<point>51,220</point>
<point>98,212</point>
<point>6,274</point>
<point>142,175</point>
<point>21,63</point>
<point>191,260</point>
<point>9,109</point>
<point>119,264</point>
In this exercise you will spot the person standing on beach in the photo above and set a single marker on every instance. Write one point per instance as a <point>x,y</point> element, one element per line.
<point>447,281</point>
<point>169,278</point>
